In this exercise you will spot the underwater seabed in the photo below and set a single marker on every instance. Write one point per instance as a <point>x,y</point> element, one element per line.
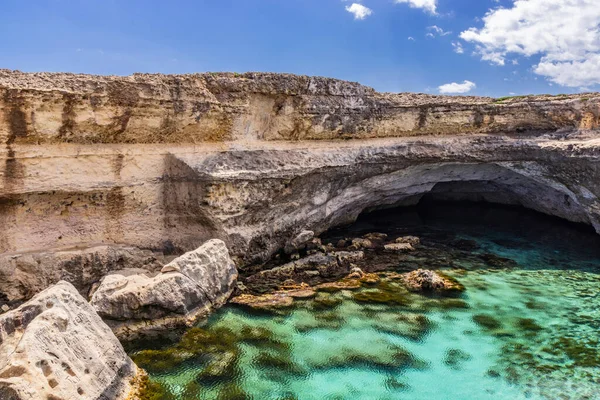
<point>525,332</point>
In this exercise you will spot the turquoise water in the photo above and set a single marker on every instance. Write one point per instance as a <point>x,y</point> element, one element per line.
<point>526,329</point>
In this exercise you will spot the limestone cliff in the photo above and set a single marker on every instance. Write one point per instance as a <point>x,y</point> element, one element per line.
<point>167,162</point>
<point>144,108</point>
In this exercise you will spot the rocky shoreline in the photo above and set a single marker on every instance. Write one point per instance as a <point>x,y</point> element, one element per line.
<point>59,323</point>
<point>58,345</point>
<point>160,198</point>
<point>352,264</point>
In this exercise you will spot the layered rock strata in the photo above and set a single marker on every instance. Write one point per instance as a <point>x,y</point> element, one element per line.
<point>153,108</point>
<point>168,162</point>
<point>188,288</point>
<point>56,347</point>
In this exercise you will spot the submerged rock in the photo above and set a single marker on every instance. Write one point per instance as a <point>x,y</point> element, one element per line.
<point>56,347</point>
<point>356,273</point>
<point>188,288</point>
<point>495,261</point>
<point>425,280</point>
<point>265,302</point>
<point>465,245</point>
<point>275,301</point>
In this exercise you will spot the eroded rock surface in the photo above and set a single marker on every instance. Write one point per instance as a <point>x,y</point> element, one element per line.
<point>24,274</point>
<point>311,270</point>
<point>56,347</point>
<point>168,162</point>
<point>430,281</point>
<point>154,108</point>
<point>186,289</point>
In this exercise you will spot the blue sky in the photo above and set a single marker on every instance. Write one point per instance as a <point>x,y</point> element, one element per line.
<point>318,37</point>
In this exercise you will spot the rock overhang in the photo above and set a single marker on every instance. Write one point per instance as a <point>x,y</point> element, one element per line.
<point>168,162</point>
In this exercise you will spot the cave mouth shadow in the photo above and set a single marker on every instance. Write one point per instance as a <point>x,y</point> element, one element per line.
<point>505,228</point>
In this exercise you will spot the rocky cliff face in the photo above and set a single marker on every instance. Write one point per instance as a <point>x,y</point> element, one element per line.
<point>48,108</point>
<point>167,162</point>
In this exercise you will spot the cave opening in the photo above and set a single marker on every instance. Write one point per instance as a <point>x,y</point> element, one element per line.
<point>521,323</point>
<point>476,212</point>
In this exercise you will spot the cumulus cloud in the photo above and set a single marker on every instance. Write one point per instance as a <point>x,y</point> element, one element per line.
<point>564,34</point>
<point>427,5</point>
<point>454,87</point>
<point>359,11</point>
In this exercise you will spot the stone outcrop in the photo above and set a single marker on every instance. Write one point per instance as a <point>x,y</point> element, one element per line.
<point>24,274</point>
<point>423,280</point>
<point>188,288</point>
<point>273,302</point>
<point>168,162</point>
<point>56,347</point>
<point>299,241</point>
<point>399,247</point>
<point>310,270</point>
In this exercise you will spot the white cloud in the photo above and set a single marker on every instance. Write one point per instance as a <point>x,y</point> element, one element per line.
<point>458,47</point>
<point>454,87</point>
<point>573,73</point>
<point>412,39</point>
<point>359,11</point>
<point>564,34</point>
<point>427,5</point>
<point>438,30</point>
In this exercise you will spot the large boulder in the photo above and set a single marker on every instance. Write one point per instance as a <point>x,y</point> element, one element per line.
<point>188,288</point>
<point>56,347</point>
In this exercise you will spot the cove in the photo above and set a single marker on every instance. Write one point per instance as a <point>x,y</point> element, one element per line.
<point>525,326</point>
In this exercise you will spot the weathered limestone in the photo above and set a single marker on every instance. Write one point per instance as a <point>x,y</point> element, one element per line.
<point>153,108</point>
<point>168,162</point>
<point>299,241</point>
<point>309,270</point>
<point>24,274</point>
<point>56,347</point>
<point>188,288</point>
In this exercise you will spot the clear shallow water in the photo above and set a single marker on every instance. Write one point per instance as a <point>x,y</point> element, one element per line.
<point>528,330</point>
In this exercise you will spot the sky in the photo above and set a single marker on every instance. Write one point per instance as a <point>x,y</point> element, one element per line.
<point>479,47</point>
